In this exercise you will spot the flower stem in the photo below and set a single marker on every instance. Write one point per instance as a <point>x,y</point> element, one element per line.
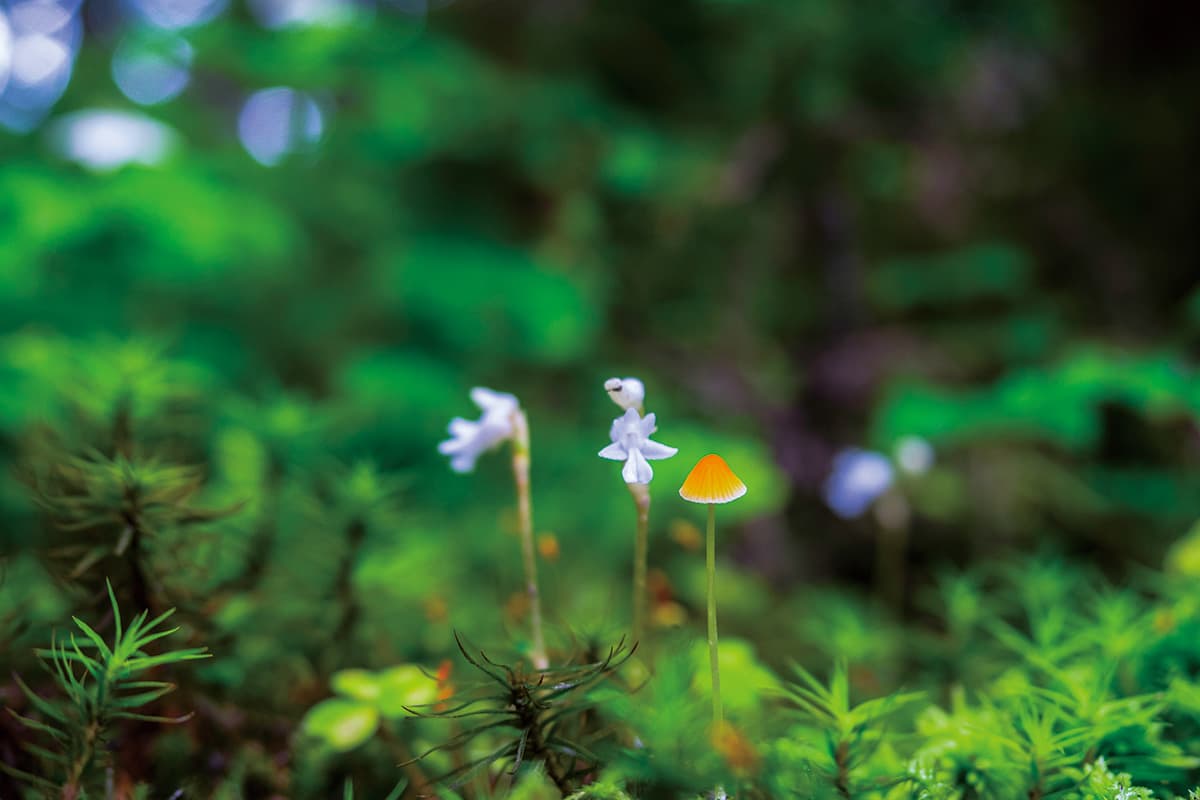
<point>343,587</point>
<point>891,550</point>
<point>713,653</point>
<point>525,519</point>
<point>641,502</point>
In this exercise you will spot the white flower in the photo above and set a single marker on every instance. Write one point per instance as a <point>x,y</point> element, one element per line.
<point>626,392</point>
<point>631,443</point>
<point>469,439</point>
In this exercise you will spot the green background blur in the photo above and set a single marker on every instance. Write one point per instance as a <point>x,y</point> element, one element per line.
<point>806,225</point>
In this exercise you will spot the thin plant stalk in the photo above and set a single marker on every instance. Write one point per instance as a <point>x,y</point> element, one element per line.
<point>520,450</point>
<point>891,550</point>
<point>641,502</point>
<point>417,782</point>
<point>713,653</point>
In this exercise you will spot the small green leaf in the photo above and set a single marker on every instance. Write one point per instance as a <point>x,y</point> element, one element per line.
<point>341,724</point>
<point>38,702</point>
<point>95,637</point>
<point>33,724</point>
<point>357,684</point>
<point>405,685</point>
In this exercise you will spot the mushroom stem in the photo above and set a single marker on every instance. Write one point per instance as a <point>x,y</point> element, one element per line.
<point>713,653</point>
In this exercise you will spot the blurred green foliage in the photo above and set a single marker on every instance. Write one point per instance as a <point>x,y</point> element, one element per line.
<point>807,226</point>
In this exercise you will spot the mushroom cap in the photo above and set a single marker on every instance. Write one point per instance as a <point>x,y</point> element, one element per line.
<point>712,481</point>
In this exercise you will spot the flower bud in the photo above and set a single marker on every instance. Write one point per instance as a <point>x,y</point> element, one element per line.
<point>626,392</point>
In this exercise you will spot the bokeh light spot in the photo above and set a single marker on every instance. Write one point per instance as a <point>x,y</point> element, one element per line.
<point>279,121</point>
<point>35,66</point>
<point>152,68</point>
<point>38,16</point>
<point>39,60</point>
<point>104,140</point>
<point>5,50</point>
<point>287,13</point>
<point>175,14</point>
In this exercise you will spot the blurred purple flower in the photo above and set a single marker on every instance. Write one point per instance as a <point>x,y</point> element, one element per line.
<point>858,478</point>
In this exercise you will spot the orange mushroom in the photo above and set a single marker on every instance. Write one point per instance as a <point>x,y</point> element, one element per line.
<point>710,482</point>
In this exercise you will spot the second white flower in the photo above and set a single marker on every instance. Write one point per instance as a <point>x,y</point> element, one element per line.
<point>631,443</point>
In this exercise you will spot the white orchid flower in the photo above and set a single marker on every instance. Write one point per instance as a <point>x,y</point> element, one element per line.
<point>631,443</point>
<point>469,439</point>
<point>626,392</point>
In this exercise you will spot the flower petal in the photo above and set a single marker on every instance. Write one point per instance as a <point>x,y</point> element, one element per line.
<point>629,471</point>
<point>657,450</point>
<point>615,452</point>
<point>462,428</point>
<point>493,431</point>
<point>648,425</point>
<point>489,399</point>
<point>464,461</point>
<point>637,469</point>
